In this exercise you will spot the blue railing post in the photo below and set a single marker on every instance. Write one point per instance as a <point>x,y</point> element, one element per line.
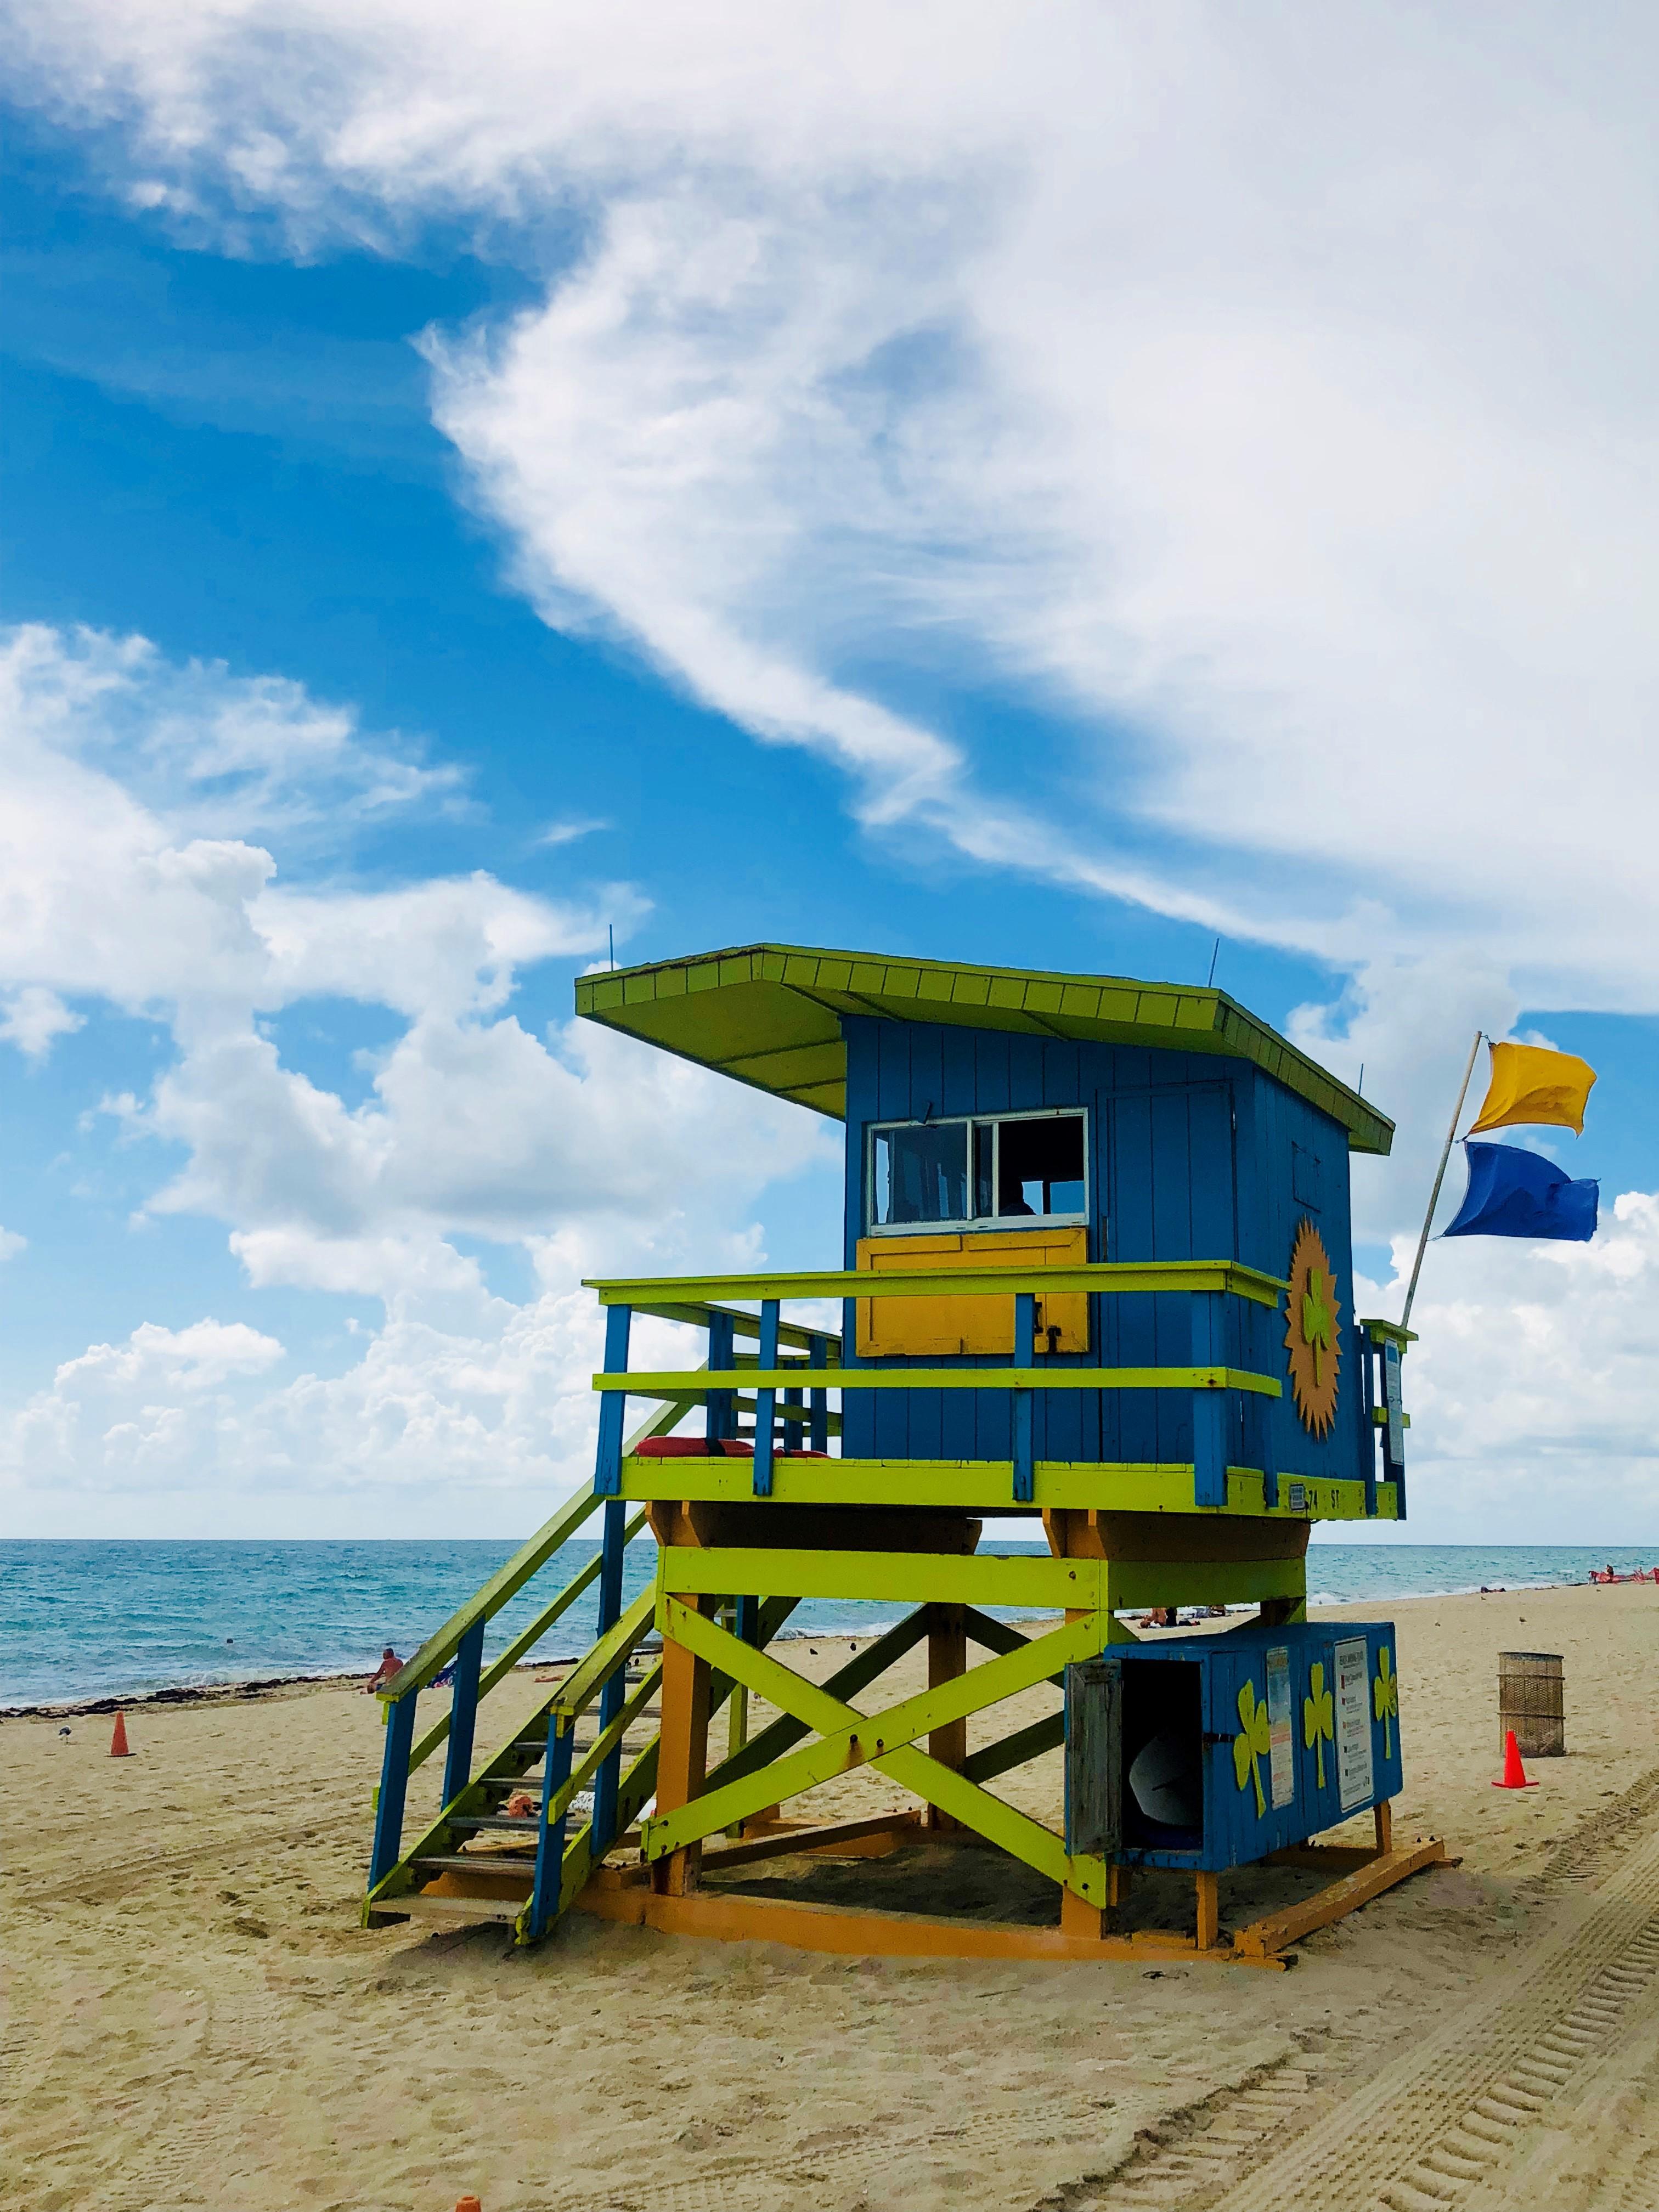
<point>613,1404</point>
<point>1210,1407</point>
<point>817,1429</point>
<point>550,1838</point>
<point>614,1693</point>
<point>463,1712</point>
<point>722,1405</point>
<point>1025,1356</point>
<point>394,1787</point>
<point>766,1399</point>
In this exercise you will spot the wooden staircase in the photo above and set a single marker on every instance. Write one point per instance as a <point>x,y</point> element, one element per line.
<point>586,1757</point>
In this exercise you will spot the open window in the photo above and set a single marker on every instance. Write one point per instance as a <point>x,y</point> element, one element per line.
<point>989,1172</point>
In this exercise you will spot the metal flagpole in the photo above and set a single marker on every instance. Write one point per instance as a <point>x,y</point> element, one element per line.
<point>1440,1176</point>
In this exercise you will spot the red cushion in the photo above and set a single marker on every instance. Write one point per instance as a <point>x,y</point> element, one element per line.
<point>694,1448</point>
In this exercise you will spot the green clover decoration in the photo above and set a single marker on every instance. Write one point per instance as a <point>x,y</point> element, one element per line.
<point>1316,1319</point>
<point>1254,1745</point>
<point>1318,1718</point>
<point>1385,1699</point>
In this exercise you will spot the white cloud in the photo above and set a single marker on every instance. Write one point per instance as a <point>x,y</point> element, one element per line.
<point>199,1358</point>
<point>495,1406</point>
<point>1264,398</point>
<point>33,1017</point>
<point>586,1150</point>
<point>107,890</point>
<point>12,1242</point>
<point>1258,396</point>
<point>474,1126</point>
<point>1531,1388</point>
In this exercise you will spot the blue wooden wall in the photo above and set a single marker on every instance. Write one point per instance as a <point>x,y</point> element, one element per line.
<point>1191,1156</point>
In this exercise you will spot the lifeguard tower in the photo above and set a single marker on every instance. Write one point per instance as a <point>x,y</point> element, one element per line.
<point>1097,1276</point>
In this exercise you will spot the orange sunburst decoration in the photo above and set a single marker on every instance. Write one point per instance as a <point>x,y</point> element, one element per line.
<point>1313,1335</point>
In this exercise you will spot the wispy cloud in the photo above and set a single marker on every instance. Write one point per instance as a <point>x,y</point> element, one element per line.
<point>1267,420</point>
<point>567,833</point>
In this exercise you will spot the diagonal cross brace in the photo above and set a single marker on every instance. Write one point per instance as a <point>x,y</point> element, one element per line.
<point>848,1738</point>
<point>784,1733</point>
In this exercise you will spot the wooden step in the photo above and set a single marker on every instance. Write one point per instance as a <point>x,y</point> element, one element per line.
<point>498,1824</point>
<point>475,1862</point>
<point>451,1908</point>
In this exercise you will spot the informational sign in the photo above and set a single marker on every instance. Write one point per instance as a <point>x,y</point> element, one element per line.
<point>1396,1411</point>
<point>1282,1737</point>
<point>1354,1724</point>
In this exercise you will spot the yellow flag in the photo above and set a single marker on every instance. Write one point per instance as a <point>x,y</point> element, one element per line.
<point>1530,1085</point>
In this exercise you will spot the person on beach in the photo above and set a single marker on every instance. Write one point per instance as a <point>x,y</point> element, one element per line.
<point>390,1664</point>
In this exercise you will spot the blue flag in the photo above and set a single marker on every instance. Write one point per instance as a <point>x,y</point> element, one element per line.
<point>1516,1193</point>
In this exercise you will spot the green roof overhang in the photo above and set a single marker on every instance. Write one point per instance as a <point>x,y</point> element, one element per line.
<point>769,1015</point>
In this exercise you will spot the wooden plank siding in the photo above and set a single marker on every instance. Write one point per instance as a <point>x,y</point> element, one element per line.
<point>1191,1157</point>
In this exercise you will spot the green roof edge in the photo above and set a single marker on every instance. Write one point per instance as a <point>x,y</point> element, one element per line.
<point>1223,1025</point>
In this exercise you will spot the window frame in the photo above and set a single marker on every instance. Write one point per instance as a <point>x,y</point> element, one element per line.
<point>979,1224</point>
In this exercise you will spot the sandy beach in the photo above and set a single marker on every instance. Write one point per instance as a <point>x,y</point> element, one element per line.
<point>192,2015</point>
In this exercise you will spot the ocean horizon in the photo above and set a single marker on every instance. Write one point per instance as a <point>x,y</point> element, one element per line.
<point>128,1617</point>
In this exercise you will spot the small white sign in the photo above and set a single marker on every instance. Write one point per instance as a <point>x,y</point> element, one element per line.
<point>1282,1736</point>
<point>1396,1411</point>
<point>1353,1723</point>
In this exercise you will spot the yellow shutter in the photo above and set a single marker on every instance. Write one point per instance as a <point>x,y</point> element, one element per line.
<point>935,1328</point>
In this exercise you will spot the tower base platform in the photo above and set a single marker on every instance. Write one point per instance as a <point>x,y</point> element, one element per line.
<point>624,1893</point>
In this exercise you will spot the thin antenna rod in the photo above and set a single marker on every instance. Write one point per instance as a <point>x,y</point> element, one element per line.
<point>1212,961</point>
<point>1434,1196</point>
<point>611,939</point>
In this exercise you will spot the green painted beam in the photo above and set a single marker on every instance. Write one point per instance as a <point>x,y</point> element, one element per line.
<point>584,1682</point>
<point>695,1310</point>
<point>1134,1583</point>
<point>986,1486</point>
<point>1104,1277</point>
<point>1389,1332</point>
<point>905,1577</point>
<point>770,1016</point>
<point>1011,1751</point>
<point>864,1668</point>
<point>672,1383</point>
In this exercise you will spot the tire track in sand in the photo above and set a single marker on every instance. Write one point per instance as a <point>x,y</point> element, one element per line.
<point>1445,2117</point>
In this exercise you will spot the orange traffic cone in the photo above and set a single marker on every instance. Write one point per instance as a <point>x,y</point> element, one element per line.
<point>118,1745</point>
<point>468,2204</point>
<point>1513,1775</point>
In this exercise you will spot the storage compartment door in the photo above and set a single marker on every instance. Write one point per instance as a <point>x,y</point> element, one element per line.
<point>948,1327</point>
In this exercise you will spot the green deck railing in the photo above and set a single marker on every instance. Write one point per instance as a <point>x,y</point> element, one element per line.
<point>803,1403</point>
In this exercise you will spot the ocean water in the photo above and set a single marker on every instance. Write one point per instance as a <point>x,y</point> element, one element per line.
<point>80,1621</point>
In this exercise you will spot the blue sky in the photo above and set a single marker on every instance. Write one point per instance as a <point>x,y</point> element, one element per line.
<point>747,528</point>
